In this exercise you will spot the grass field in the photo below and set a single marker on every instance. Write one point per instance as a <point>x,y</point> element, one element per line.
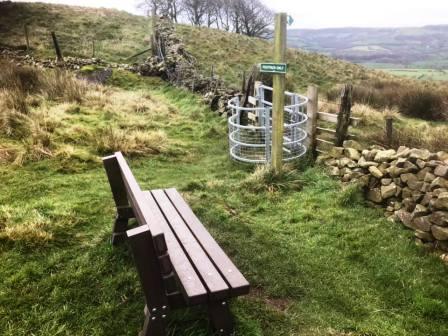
<point>421,74</point>
<point>319,260</point>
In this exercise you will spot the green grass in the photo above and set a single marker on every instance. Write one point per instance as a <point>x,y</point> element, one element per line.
<point>320,261</point>
<point>119,35</point>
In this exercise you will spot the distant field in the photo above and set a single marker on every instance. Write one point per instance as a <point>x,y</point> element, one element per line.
<point>422,74</point>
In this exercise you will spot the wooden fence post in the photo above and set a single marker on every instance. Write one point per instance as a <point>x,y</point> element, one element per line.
<point>312,112</point>
<point>344,115</point>
<point>389,130</point>
<point>27,37</point>
<point>154,46</point>
<point>93,48</point>
<point>57,48</point>
<point>278,98</point>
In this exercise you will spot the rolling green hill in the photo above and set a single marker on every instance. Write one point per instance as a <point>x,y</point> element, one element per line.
<point>118,35</point>
<point>419,47</point>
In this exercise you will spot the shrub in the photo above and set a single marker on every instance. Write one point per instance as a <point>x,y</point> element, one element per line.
<point>424,104</point>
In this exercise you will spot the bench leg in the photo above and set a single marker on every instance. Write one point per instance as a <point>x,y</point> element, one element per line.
<point>221,318</point>
<point>154,326</point>
<point>124,214</point>
<point>119,230</point>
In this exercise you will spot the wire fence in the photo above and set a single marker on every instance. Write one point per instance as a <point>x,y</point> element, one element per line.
<point>250,128</point>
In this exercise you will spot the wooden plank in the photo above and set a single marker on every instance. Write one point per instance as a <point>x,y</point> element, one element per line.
<point>326,130</point>
<point>137,200</point>
<point>333,118</point>
<point>192,288</point>
<point>325,142</point>
<point>239,285</point>
<point>212,279</point>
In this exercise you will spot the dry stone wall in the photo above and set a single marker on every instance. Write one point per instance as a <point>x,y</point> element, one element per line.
<point>411,183</point>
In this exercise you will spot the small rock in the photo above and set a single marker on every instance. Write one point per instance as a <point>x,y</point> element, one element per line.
<point>422,173</point>
<point>442,156</point>
<point>337,152</point>
<point>404,217</point>
<point>375,172</point>
<point>352,154</point>
<point>439,232</point>
<point>334,171</point>
<point>403,151</point>
<point>374,195</point>
<point>409,204</point>
<point>441,203</point>
<point>422,154</point>
<point>439,218</point>
<point>408,177</point>
<point>386,181</point>
<point>429,177</point>
<point>420,210</point>
<point>363,163</point>
<point>420,163</point>
<point>385,155</point>
<point>439,182</point>
<point>422,224</point>
<point>441,171</point>
<point>352,144</point>
<point>388,191</point>
<point>425,236</point>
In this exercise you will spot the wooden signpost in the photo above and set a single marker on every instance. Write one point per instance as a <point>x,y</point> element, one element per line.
<point>278,68</point>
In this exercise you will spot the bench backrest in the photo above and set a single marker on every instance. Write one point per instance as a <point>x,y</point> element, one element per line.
<point>147,241</point>
<point>128,193</point>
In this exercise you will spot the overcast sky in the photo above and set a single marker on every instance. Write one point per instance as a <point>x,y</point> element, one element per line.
<point>331,13</point>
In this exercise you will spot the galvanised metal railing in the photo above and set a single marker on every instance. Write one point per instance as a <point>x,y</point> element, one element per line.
<point>250,128</point>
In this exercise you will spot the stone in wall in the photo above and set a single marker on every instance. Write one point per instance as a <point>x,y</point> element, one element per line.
<point>410,183</point>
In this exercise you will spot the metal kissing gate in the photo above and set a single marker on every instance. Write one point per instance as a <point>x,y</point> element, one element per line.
<point>250,128</point>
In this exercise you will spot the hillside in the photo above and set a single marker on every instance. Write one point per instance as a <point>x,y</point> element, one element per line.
<point>119,35</point>
<point>412,47</point>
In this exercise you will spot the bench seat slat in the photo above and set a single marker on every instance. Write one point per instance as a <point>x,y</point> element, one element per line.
<point>192,287</point>
<point>239,285</point>
<point>211,277</point>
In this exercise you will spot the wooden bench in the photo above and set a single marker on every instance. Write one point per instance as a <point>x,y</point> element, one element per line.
<point>178,261</point>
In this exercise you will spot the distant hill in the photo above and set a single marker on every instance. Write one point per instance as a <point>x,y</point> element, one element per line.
<point>118,35</point>
<point>400,47</point>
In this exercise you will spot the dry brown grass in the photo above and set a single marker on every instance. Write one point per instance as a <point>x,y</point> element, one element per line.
<point>24,225</point>
<point>423,100</point>
<point>130,143</point>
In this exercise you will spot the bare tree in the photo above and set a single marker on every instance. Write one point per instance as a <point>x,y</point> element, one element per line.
<point>171,9</point>
<point>255,19</point>
<point>196,11</point>
<point>148,5</point>
<point>248,17</point>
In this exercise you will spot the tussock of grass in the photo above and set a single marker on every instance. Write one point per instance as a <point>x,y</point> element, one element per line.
<point>264,178</point>
<point>130,143</point>
<point>24,225</point>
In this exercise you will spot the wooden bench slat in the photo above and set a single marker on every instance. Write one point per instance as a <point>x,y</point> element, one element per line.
<point>142,213</point>
<point>206,269</point>
<point>192,288</point>
<point>239,285</point>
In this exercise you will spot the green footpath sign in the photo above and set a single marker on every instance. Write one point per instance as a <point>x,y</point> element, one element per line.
<point>279,68</point>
